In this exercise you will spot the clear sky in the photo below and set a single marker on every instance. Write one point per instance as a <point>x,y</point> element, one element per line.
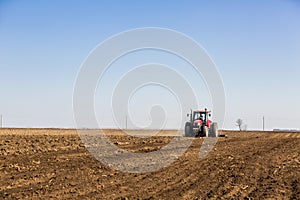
<point>255,45</point>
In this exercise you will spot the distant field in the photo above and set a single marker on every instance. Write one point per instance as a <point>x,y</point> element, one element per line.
<point>53,163</point>
<point>57,131</point>
<point>54,131</point>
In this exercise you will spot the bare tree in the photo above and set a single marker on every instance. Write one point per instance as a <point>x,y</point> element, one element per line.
<point>239,122</point>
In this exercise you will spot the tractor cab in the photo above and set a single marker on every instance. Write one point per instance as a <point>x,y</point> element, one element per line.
<point>200,117</point>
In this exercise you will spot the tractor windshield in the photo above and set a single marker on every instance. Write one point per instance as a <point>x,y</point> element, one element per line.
<point>199,115</point>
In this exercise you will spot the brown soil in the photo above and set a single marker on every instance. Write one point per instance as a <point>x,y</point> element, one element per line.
<point>52,163</point>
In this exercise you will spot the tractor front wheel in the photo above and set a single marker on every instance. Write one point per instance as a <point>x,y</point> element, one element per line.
<point>205,131</point>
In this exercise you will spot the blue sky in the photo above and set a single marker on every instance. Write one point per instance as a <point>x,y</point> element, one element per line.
<point>255,45</point>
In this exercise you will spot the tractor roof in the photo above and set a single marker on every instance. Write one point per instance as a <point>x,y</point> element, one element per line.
<point>208,111</point>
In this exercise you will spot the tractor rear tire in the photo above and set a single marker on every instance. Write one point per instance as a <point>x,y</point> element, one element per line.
<point>188,130</point>
<point>213,131</point>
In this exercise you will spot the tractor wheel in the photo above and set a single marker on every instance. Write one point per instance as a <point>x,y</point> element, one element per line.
<point>204,131</point>
<point>213,131</point>
<point>188,130</point>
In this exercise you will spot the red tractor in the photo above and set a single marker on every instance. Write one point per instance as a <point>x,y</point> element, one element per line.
<point>200,124</point>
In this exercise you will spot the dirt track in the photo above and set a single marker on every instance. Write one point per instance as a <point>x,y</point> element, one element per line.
<point>48,163</point>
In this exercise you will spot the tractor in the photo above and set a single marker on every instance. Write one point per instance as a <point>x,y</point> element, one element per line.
<point>200,124</point>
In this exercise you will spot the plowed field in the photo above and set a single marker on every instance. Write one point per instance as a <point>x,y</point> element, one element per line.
<point>53,163</point>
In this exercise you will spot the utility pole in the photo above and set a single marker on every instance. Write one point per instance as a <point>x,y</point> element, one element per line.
<point>126,121</point>
<point>0,120</point>
<point>263,123</point>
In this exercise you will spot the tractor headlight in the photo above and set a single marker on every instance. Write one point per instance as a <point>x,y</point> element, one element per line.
<point>197,125</point>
